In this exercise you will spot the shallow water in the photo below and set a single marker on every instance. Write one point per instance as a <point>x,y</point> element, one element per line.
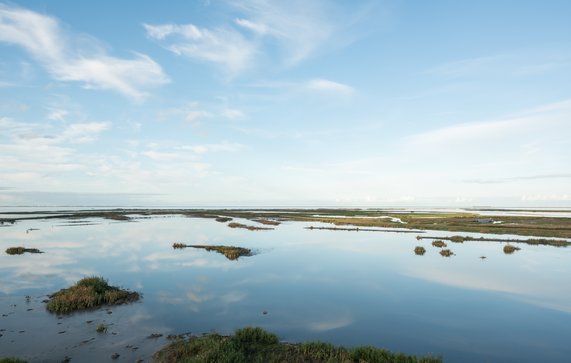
<point>344,287</point>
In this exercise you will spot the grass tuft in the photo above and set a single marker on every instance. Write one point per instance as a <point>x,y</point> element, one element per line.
<point>88,293</point>
<point>21,250</point>
<point>509,249</point>
<point>257,345</point>
<point>419,250</point>
<point>12,360</point>
<point>439,244</point>
<point>231,252</point>
<point>446,253</point>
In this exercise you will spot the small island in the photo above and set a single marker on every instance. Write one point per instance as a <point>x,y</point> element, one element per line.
<point>89,293</point>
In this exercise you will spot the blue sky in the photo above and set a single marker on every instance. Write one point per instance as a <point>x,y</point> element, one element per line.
<point>246,103</point>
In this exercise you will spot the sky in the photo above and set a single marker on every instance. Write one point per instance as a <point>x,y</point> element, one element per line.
<point>285,103</point>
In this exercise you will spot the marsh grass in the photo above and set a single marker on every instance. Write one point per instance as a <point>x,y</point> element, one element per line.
<point>21,250</point>
<point>223,219</point>
<point>509,249</point>
<point>257,345</point>
<point>244,226</point>
<point>231,252</point>
<point>439,244</point>
<point>267,222</point>
<point>12,360</point>
<point>446,253</point>
<point>529,241</point>
<point>89,293</point>
<point>419,250</point>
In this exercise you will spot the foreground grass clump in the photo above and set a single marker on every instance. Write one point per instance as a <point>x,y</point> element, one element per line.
<point>231,252</point>
<point>419,250</point>
<point>11,360</point>
<point>21,250</point>
<point>88,293</point>
<point>509,249</point>
<point>257,345</point>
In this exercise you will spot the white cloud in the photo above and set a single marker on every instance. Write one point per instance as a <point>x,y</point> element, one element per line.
<point>232,114</point>
<point>299,27</point>
<point>84,132</point>
<point>295,29</point>
<point>227,48</point>
<point>196,115</point>
<point>257,28</point>
<point>57,115</point>
<point>43,38</point>
<point>329,86</point>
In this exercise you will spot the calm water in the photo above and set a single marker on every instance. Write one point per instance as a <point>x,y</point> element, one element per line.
<point>350,288</point>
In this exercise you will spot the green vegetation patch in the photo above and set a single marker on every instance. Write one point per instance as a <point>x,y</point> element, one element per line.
<point>12,360</point>
<point>251,228</point>
<point>419,250</point>
<point>257,345</point>
<point>89,293</point>
<point>231,252</point>
<point>438,243</point>
<point>267,222</point>
<point>509,249</point>
<point>529,241</point>
<point>446,253</point>
<point>21,250</point>
<point>223,219</point>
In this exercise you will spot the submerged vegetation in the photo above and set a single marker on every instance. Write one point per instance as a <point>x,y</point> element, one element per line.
<point>88,293</point>
<point>509,249</point>
<point>231,252</point>
<point>257,345</point>
<point>21,250</point>
<point>419,250</point>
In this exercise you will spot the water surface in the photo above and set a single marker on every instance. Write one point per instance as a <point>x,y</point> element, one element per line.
<point>350,288</point>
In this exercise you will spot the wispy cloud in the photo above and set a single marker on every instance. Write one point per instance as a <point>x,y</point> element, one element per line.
<point>283,32</point>
<point>57,114</point>
<point>517,178</point>
<point>224,47</point>
<point>329,86</point>
<point>68,57</point>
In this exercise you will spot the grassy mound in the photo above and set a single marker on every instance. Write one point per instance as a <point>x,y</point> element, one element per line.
<point>439,244</point>
<point>257,345</point>
<point>231,252</point>
<point>419,250</point>
<point>509,249</point>
<point>88,293</point>
<point>21,250</point>
<point>446,253</point>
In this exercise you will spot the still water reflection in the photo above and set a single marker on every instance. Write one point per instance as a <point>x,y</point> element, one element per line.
<point>350,288</point>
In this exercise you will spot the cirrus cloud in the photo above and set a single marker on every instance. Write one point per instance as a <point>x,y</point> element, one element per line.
<point>45,40</point>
